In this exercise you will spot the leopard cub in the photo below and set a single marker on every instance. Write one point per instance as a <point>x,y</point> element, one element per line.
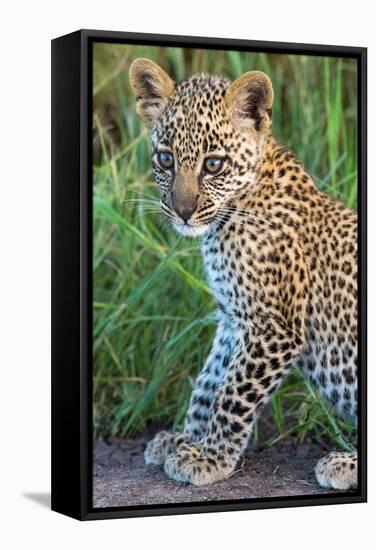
<point>280,256</point>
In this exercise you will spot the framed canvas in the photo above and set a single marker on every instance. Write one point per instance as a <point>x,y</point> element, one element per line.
<point>208,274</point>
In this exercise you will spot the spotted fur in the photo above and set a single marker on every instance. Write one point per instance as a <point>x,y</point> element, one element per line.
<point>280,257</point>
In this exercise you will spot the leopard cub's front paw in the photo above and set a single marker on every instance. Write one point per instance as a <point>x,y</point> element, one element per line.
<point>163,444</point>
<point>190,465</point>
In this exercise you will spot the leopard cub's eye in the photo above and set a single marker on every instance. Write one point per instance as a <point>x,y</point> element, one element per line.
<point>165,159</point>
<point>213,165</point>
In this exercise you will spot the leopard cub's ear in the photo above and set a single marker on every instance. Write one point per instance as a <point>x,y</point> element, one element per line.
<point>249,99</point>
<point>153,89</point>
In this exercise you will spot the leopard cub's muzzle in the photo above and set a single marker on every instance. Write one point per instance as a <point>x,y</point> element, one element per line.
<point>184,195</point>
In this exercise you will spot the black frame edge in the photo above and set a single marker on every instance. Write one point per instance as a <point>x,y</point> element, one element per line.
<point>223,43</point>
<point>86,274</point>
<point>234,506</point>
<point>66,472</point>
<point>362,276</point>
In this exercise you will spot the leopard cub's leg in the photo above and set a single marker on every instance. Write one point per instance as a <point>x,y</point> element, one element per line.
<point>338,470</point>
<point>256,369</point>
<point>165,443</point>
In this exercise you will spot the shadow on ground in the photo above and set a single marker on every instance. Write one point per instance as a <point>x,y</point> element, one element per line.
<point>43,499</point>
<point>121,477</point>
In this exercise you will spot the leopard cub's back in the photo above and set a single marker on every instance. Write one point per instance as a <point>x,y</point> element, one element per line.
<point>286,218</point>
<point>330,358</point>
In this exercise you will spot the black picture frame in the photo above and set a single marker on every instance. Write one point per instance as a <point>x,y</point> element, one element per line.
<point>72,272</point>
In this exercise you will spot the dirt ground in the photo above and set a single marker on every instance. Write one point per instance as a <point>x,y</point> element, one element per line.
<point>121,477</point>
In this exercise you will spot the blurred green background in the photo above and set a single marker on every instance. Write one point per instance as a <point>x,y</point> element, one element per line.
<point>153,312</point>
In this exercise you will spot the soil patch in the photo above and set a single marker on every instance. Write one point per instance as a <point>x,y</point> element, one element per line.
<point>121,477</point>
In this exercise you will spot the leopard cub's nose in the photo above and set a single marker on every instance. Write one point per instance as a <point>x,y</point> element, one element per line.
<point>185,209</point>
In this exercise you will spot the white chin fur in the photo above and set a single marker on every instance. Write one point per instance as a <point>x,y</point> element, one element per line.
<point>190,230</point>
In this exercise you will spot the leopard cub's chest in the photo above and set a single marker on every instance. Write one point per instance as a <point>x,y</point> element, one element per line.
<point>227,269</point>
<point>215,263</point>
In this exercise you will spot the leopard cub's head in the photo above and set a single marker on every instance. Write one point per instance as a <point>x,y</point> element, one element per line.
<point>206,135</point>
